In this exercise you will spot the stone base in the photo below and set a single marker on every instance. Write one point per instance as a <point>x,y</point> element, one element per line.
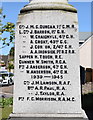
<point>72,116</point>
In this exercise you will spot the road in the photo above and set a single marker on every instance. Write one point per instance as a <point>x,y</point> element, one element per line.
<point>6,91</point>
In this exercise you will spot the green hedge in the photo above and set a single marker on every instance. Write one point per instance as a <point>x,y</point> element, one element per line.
<point>6,102</point>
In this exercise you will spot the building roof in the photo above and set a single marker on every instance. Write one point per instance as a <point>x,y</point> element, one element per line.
<point>83,36</point>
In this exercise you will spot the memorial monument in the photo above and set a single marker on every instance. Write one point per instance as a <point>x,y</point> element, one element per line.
<point>47,82</point>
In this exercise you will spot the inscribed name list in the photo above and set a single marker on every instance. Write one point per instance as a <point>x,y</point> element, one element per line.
<point>45,63</point>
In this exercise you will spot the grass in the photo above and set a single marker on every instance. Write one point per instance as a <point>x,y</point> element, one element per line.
<point>0,113</point>
<point>5,107</point>
<point>4,112</point>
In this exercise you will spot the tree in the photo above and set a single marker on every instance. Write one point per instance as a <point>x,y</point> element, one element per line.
<point>10,66</point>
<point>11,59</point>
<point>7,28</point>
<point>11,53</point>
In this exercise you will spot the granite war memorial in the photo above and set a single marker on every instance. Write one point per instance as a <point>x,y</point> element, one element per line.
<point>47,82</point>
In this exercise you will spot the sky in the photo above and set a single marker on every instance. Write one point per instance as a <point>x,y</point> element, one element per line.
<point>12,9</point>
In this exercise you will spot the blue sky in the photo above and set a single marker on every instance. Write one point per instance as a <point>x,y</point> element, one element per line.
<point>12,9</point>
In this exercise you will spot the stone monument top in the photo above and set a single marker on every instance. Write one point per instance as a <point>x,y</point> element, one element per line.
<point>61,1</point>
<point>48,5</point>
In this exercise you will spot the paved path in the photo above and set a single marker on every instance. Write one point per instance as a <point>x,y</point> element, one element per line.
<point>6,91</point>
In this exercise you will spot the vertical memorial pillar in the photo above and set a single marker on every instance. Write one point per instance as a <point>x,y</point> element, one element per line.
<point>47,79</point>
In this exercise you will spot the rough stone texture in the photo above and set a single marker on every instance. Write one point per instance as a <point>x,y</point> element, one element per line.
<point>40,1</point>
<point>47,118</point>
<point>48,18</point>
<point>87,88</point>
<point>48,6</point>
<point>25,102</point>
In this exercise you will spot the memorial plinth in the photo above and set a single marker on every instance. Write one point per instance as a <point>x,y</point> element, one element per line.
<point>47,82</point>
